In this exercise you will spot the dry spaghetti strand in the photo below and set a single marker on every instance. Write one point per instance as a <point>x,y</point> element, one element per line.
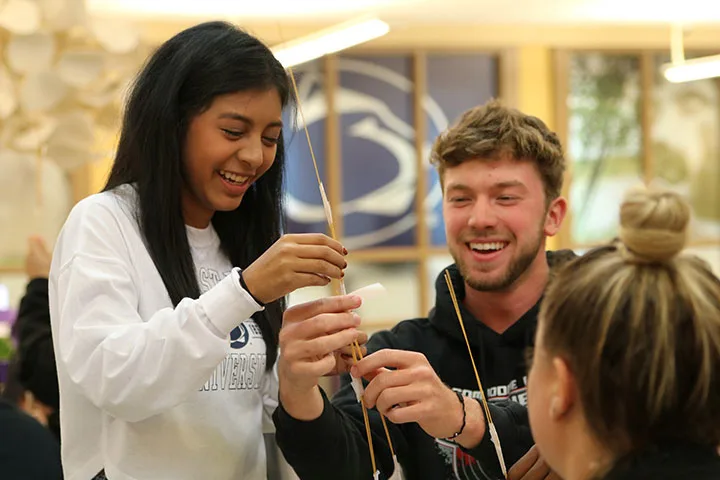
<point>331,225</point>
<point>382,417</point>
<point>364,410</point>
<point>307,133</point>
<point>477,375</point>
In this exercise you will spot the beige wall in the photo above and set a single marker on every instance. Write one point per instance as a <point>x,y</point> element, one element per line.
<point>459,36</point>
<point>536,89</point>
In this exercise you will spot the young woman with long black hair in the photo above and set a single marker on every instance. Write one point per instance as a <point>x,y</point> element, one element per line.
<point>167,288</point>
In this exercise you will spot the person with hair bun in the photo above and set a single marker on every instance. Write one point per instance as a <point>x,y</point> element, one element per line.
<point>625,381</point>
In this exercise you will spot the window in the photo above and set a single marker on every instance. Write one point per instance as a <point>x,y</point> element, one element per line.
<point>372,120</point>
<point>624,124</point>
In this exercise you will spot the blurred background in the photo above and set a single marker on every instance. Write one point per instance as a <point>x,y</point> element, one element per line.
<point>378,80</point>
<point>632,87</point>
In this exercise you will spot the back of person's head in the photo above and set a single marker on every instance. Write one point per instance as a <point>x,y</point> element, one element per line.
<point>638,325</point>
<point>179,82</point>
<point>37,369</point>
<point>492,131</point>
<point>37,374</point>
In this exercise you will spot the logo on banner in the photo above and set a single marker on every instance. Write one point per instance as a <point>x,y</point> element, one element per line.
<point>380,171</point>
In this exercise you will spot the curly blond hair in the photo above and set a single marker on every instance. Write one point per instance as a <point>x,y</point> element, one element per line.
<point>493,130</point>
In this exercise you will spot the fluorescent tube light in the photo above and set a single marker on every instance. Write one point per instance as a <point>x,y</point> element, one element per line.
<point>693,69</point>
<point>681,70</point>
<point>240,11</point>
<point>324,42</point>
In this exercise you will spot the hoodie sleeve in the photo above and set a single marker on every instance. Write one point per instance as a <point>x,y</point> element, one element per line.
<point>513,428</point>
<point>131,367</point>
<point>335,444</point>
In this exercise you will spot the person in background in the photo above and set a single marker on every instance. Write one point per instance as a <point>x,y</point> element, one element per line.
<point>37,372</point>
<point>625,380</point>
<point>32,383</point>
<point>28,451</point>
<point>34,312</point>
<point>167,288</point>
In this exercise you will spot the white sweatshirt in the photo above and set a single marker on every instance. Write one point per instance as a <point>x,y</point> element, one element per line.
<point>148,391</point>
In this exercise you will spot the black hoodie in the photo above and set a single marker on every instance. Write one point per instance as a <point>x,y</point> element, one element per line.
<point>335,444</point>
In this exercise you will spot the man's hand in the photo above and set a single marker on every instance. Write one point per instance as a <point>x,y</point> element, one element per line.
<point>532,467</point>
<point>37,261</point>
<point>412,392</point>
<point>314,342</point>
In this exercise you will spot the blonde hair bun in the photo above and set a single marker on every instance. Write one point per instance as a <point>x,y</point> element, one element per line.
<point>653,224</point>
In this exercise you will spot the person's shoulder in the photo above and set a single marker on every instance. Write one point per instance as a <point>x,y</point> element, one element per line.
<point>403,335</point>
<point>109,202</point>
<point>30,449</point>
<point>96,225</point>
<point>18,425</point>
<point>11,414</point>
<point>412,325</point>
<point>104,213</point>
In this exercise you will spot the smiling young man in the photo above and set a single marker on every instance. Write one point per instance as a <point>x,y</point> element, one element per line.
<point>502,174</point>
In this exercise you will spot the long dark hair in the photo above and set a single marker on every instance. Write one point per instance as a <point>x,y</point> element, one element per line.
<point>178,82</point>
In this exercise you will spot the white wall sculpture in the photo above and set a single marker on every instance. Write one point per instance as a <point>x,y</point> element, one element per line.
<point>63,74</point>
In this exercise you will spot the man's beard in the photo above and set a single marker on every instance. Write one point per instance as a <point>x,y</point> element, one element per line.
<point>517,267</point>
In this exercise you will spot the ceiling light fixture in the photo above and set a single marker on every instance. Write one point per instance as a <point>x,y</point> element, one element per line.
<point>330,40</point>
<point>681,70</point>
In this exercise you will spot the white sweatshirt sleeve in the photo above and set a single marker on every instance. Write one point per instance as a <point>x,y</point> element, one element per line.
<point>130,367</point>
